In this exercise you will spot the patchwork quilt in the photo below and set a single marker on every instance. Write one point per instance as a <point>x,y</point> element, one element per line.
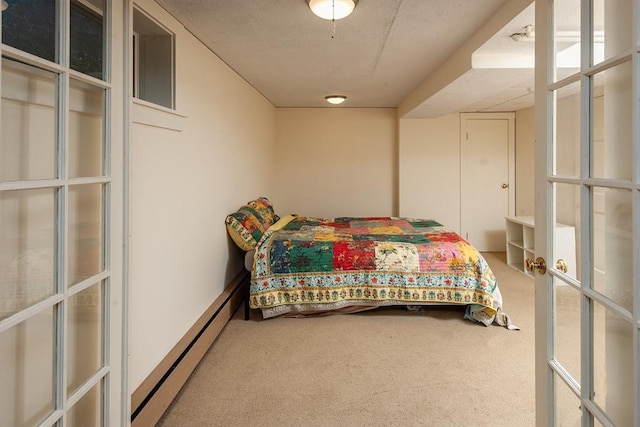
<point>318,264</point>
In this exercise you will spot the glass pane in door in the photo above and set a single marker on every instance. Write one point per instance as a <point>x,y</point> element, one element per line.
<point>30,25</point>
<point>566,236</point>
<point>26,371</point>
<point>88,410</point>
<point>612,29</point>
<point>566,326</point>
<point>84,339</point>
<point>613,365</point>
<point>86,37</point>
<point>86,129</point>
<point>567,131</point>
<point>566,18</point>
<point>567,405</point>
<point>27,242</point>
<point>612,245</point>
<point>28,139</point>
<point>612,112</point>
<point>85,232</point>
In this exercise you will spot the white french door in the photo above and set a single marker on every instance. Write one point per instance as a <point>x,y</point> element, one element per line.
<point>61,297</point>
<point>587,176</point>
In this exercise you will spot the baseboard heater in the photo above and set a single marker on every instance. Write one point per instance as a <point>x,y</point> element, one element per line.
<point>152,398</point>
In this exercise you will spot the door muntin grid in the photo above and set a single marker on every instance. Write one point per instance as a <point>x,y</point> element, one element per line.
<point>54,207</point>
<point>591,122</point>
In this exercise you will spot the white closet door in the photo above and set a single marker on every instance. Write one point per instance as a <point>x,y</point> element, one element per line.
<point>486,152</point>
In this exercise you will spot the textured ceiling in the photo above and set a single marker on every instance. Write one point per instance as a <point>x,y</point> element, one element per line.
<point>376,57</point>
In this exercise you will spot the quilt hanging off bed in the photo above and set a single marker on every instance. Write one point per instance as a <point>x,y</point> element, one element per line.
<point>317,264</point>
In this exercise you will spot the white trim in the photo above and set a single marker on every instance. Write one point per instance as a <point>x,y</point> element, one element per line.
<point>135,55</point>
<point>89,6</point>
<point>31,185</point>
<point>85,78</point>
<point>52,419</point>
<point>51,183</point>
<point>22,315</point>
<point>544,67</point>
<point>150,114</point>
<point>157,107</point>
<point>19,55</point>
<point>81,391</point>
<point>136,65</point>
<point>87,283</point>
<point>89,180</point>
<point>127,86</point>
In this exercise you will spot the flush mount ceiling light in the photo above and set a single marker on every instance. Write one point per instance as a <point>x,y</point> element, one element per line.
<point>335,99</point>
<point>528,34</point>
<point>332,9</point>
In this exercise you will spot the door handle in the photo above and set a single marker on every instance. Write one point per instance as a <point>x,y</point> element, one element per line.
<point>539,264</point>
<point>562,265</point>
<point>505,185</point>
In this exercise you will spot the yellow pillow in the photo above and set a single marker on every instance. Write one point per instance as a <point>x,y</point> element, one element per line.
<point>247,225</point>
<point>277,226</point>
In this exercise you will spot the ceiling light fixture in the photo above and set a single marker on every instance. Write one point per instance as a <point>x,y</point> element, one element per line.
<point>332,9</point>
<point>529,34</point>
<point>335,99</point>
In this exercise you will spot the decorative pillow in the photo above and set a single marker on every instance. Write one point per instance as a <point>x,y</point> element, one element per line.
<point>280,223</point>
<point>248,224</point>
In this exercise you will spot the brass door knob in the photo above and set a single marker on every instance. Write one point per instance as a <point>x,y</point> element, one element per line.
<point>539,264</point>
<point>562,265</point>
<point>505,185</point>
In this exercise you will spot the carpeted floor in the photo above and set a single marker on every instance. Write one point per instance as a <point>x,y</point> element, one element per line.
<point>387,367</point>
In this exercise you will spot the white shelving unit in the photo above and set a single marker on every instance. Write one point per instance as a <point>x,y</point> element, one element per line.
<point>521,245</point>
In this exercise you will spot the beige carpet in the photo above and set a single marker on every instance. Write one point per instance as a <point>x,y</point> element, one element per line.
<point>387,367</point>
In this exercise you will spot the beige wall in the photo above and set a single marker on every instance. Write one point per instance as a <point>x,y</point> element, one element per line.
<point>525,153</point>
<point>188,171</point>
<point>336,162</point>
<point>429,157</point>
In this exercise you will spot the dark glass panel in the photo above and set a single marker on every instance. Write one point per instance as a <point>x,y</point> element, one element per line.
<point>30,25</point>
<point>86,42</point>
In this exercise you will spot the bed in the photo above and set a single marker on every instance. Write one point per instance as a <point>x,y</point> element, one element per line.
<point>305,265</point>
